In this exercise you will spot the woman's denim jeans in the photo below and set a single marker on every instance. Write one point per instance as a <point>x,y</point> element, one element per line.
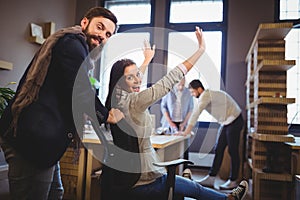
<point>183,188</point>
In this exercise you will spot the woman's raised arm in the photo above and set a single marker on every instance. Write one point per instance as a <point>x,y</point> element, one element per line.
<point>190,62</point>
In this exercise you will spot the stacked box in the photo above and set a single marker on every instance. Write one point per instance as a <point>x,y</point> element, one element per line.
<point>271,119</point>
<point>69,174</point>
<point>259,151</point>
<point>273,190</point>
<point>270,161</point>
<point>271,84</point>
<point>258,154</point>
<point>271,49</point>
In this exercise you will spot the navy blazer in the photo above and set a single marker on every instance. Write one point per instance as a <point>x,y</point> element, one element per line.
<point>46,127</point>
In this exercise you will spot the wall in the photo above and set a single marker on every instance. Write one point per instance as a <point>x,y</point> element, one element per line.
<point>15,17</point>
<point>84,5</point>
<point>243,20</point>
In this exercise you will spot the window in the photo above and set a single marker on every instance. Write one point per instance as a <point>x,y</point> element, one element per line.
<point>131,47</point>
<point>210,16</point>
<point>131,12</point>
<point>134,16</point>
<point>293,75</point>
<point>289,10</point>
<point>198,11</point>
<point>208,67</point>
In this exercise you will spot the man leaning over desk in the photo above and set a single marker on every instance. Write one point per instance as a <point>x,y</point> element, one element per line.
<point>228,114</point>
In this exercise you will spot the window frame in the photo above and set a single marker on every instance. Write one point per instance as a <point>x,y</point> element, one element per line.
<point>162,56</point>
<point>206,26</point>
<point>185,27</point>
<point>293,128</point>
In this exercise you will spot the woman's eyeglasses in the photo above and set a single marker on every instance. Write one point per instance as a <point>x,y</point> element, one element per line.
<point>132,77</point>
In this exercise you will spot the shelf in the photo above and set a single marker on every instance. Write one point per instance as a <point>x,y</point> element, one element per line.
<point>270,176</point>
<point>48,29</point>
<point>270,31</point>
<point>273,137</point>
<point>36,39</point>
<point>271,65</point>
<point>266,105</point>
<point>6,65</point>
<point>271,100</point>
<point>275,65</point>
<point>294,145</point>
<point>273,176</point>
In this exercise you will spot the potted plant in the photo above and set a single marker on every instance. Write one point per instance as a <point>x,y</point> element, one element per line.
<point>5,95</point>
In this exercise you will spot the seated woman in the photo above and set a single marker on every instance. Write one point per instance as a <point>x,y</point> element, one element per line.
<point>124,94</point>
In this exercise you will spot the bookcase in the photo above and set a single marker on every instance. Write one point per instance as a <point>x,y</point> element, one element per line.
<point>266,104</point>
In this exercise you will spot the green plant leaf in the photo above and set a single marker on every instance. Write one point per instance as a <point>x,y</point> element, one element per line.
<point>6,94</point>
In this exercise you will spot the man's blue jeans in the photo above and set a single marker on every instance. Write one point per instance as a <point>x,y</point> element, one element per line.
<point>28,182</point>
<point>183,188</point>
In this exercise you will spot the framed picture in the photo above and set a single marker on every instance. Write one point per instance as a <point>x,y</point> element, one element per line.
<point>36,30</point>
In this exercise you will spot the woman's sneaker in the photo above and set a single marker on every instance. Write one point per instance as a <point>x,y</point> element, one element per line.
<point>240,191</point>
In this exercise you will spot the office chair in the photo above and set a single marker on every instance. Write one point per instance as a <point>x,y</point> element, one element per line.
<point>110,152</point>
<point>171,171</point>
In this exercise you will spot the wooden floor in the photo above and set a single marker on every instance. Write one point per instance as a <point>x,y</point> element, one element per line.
<point>198,173</point>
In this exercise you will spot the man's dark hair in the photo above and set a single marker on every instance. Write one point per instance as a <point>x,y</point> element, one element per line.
<point>195,84</point>
<point>101,12</point>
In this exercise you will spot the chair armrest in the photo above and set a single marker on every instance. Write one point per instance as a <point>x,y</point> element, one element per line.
<point>173,163</point>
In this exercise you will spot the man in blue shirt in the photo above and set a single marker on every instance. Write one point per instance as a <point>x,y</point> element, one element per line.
<point>177,107</point>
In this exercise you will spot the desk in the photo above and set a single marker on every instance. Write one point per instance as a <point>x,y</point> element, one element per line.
<point>295,163</point>
<point>295,156</point>
<point>168,148</point>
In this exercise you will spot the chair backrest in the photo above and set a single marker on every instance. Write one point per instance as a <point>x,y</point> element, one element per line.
<point>121,158</point>
<point>113,154</point>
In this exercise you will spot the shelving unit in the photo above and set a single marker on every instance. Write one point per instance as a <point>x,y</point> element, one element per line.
<point>48,29</point>
<point>72,174</point>
<point>6,65</point>
<point>267,128</point>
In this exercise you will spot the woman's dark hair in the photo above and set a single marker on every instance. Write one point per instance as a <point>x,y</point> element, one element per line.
<point>101,12</point>
<point>125,138</point>
<point>116,73</point>
<point>195,84</point>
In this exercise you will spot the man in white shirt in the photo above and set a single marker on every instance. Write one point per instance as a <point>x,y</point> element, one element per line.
<point>228,114</point>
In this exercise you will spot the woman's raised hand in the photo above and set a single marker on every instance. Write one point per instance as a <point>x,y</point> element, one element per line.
<point>148,54</point>
<point>190,62</point>
<point>148,50</point>
<point>200,38</point>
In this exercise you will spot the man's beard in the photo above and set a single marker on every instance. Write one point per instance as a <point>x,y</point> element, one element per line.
<point>89,38</point>
<point>95,50</point>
